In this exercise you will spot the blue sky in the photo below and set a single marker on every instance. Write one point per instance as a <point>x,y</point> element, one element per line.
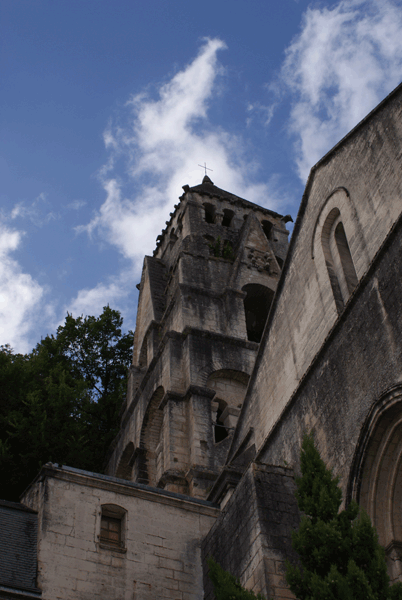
<point>107,108</point>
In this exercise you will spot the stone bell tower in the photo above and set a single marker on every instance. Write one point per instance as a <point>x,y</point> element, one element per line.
<point>204,299</point>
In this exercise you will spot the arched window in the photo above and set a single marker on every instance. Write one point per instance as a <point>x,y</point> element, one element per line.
<point>267,228</point>
<point>227,217</point>
<point>345,258</point>
<point>209,213</point>
<point>230,387</point>
<point>150,459</point>
<point>338,259</point>
<point>112,526</point>
<point>220,431</point>
<point>256,307</point>
<point>377,476</point>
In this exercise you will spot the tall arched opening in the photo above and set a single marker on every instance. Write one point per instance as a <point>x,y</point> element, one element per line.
<point>338,258</point>
<point>151,457</point>
<point>256,307</point>
<point>230,387</point>
<point>377,476</point>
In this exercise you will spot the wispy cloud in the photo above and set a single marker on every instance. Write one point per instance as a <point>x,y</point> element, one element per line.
<point>265,113</point>
<point>165,139</point>
<point>37,211</point>
<point>77,204</point>
<point>344,61</point>
<point>20,294</point>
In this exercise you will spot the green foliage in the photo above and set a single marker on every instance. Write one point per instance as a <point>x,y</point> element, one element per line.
<point>227,251</point>
<point>226,586</point>
<point>339,551</point>
<point>220,250</point>
<point>215,248</point>
<point>100,355</point>
<point>61,402</point>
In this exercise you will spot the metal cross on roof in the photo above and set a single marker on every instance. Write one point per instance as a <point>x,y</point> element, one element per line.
<point>204,166</point>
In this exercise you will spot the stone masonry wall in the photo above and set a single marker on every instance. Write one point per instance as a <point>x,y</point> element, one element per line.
<point>161,557</point>
<point>363,173</point>
<point>189,357</point>
<point>361,359</point>
<point>252,536</point>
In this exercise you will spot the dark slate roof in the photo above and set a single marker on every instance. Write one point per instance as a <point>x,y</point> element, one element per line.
<point>207,188</point>
<point>18,535</point>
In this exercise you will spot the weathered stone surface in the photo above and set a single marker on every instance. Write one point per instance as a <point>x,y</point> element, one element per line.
<point>159,558</point>
<point>252,536</point>
<point>204,299</point>
<point>361,179</point>
<point>213,413</point>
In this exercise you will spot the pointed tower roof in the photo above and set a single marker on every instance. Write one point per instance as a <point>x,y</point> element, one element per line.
<point>207,188</point>
<point>207,180</point>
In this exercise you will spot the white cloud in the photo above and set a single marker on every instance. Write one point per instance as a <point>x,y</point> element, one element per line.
<point>91,301</point>
<point>20,294</point>
<point>164,141</point>
<point>345,60</point>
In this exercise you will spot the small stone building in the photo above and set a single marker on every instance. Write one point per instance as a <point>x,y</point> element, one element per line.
<point>242,344</point>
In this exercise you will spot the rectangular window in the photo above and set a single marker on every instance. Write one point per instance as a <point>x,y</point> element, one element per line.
<point>110,531</point>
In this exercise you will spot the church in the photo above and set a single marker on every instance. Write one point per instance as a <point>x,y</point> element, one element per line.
<point>244,341</point>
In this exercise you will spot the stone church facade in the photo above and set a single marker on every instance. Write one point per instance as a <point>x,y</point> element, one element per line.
<point>244,342</point>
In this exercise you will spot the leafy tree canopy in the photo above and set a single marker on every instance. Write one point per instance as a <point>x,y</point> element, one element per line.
<point>61,402</point>
<point>339,552</point>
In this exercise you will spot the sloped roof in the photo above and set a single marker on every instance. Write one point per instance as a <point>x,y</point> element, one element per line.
<point>18,527</point>
<point>207,188</point>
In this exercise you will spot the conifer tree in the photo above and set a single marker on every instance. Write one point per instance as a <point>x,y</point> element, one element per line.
<point>339,552</point>
<point>226,586</point>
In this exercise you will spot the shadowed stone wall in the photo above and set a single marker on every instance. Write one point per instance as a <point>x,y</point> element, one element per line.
<point>252,536</point>
<point>361,180</point>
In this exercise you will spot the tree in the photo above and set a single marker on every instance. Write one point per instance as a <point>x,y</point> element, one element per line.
<point>100,354</point>
<point>226,586</point>
<point>339,552</point>
<point>61,402</point>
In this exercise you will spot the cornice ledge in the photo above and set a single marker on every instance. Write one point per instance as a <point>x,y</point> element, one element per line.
<point>130,488</point>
